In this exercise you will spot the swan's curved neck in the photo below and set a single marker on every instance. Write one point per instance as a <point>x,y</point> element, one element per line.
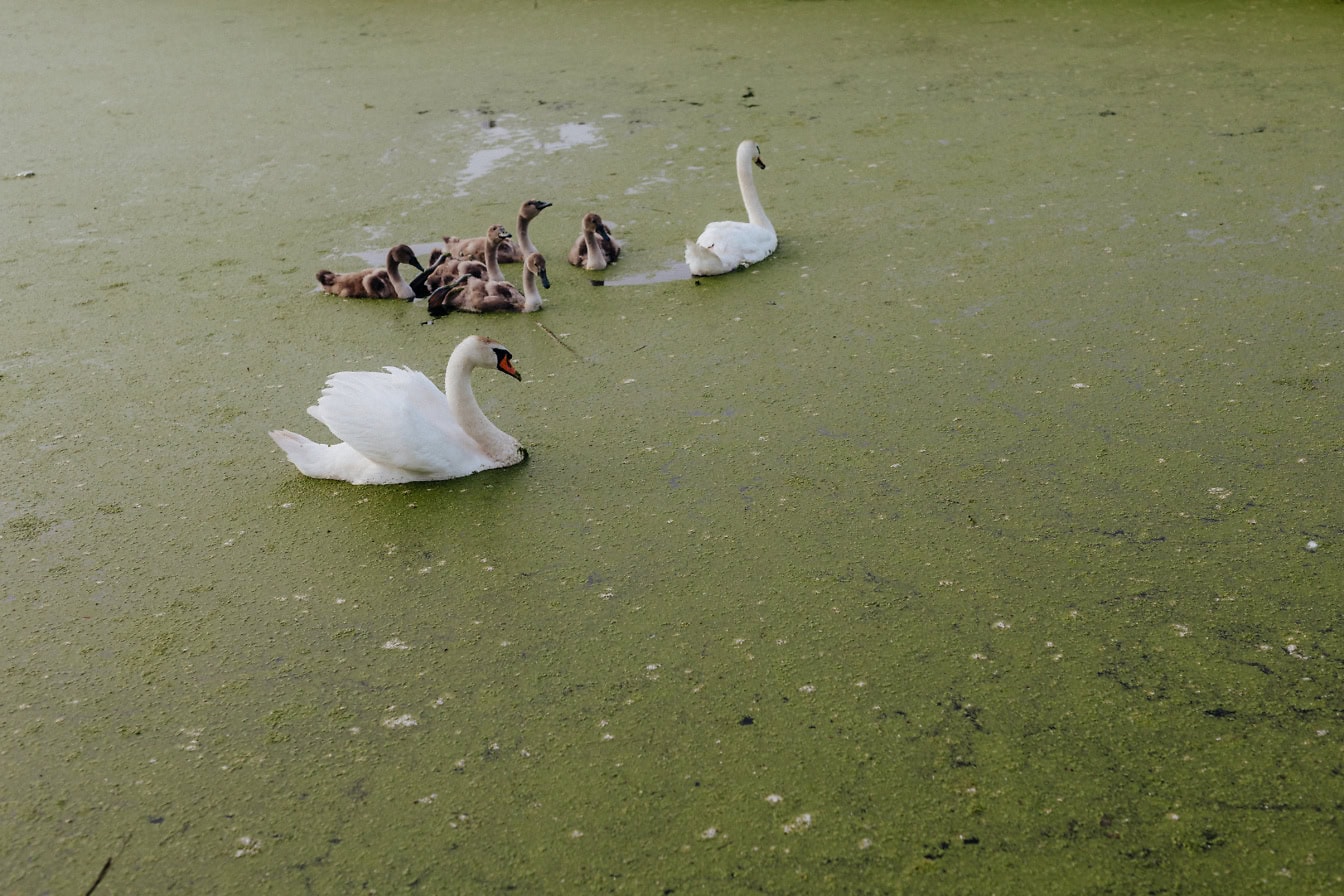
<point>399,284</point>
<point>597,256</point>
<point>524,241</point>
<point>531,295</point>
<point>746,182</point>
<point>492,270</point>
<point>457,388</point>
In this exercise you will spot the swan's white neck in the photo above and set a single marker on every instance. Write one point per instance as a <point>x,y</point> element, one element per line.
<point>457,387</point>
<point>746,182</point>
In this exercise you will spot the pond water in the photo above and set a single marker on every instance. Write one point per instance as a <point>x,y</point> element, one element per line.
<point>986,538</point>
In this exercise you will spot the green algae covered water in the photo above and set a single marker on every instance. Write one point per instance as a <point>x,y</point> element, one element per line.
<point>986,538</point>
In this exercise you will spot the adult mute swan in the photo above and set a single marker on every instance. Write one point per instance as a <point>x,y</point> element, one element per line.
<point>398,427</point>
<point>727,245</point>
<point>474,294</point>
<point>374,283</point>
<point>595,248</point>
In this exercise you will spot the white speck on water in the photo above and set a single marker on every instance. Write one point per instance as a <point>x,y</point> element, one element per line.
<point>402,721</point>
<point>1081,386</point>
<point>575,834</point>
<point>709,833</point>
<point>1181,630</point>
<point>248,846</point>
<point>774,799</point>
<point>799,824</point>
<point>1219,493</point>
<point>808,689</point>
<point>865,843</point>
<point>1003,625</point>
<point>396,644</point>
<point>426,800</point>
<point>1312,545</point>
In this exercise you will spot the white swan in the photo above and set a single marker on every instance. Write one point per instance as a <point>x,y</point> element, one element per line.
<point>398,427</point>
<point>727,245</point>
<point>374,283</point>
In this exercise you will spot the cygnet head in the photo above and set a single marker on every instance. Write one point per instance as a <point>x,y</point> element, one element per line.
<point>592,222</point>
<point>404,254</point>
<point>497,234</point>
<point>531,208</point>
<point>536,263</point>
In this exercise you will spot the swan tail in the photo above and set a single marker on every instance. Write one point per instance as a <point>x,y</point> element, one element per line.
<point>312,458</point>
<point>703,262</point>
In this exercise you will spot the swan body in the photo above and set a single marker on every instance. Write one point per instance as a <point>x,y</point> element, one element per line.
<point>595,248</point>
<point>374,283</point>
<point>476,295</point>
<point>509,251</point>
<point>397,426</point>
<point>727,245</point>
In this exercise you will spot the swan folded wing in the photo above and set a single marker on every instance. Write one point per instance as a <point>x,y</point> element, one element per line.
<point>738,243</point>
<point>398,418</point>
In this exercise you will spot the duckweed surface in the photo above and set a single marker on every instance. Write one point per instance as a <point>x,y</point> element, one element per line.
<point>986,538</point>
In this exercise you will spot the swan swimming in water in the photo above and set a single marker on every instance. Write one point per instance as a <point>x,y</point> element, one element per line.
<point>396,425</point>
<point>374,283</point>
<point>595,248</point>
<point>469,293</point>
<point>728,245</point>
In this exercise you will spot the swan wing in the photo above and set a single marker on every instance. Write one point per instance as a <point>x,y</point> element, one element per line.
<point>398,418</point>
<point>726,245</point>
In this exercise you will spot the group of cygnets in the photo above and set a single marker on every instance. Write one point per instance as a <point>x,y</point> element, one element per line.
<point>465,275</point>
<point>395,425</point>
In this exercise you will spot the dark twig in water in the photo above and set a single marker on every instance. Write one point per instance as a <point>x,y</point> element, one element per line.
<point>107,866</point>
<point>557,339</point>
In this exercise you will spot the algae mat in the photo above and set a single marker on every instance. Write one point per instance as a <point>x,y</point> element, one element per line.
<point>984,539</point>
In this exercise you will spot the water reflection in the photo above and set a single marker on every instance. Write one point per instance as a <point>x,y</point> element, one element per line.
<point>676,270</point>
<point>506,141</point>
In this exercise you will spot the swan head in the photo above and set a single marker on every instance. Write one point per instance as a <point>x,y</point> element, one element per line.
<point>404,254</point>
<point>536,263</point>
<point>505,363</point>
<point>533,207</point>
<point>482,351</point>
<point>592,222</point>
<point>750,151</point>
<point>497,234</point>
